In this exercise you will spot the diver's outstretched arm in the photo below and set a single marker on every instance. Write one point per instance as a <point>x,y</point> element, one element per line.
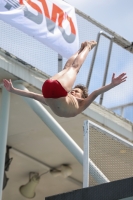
<point>9,87</point>
<point>115,81</point>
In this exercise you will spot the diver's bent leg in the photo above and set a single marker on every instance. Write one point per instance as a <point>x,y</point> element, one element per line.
<point>68,64</point>
<point>82,56</point>
<point>68,78</point>
<point>73,57</point>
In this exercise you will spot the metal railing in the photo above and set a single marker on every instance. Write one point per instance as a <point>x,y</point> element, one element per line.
<point>111,140</point>
<point>121,108</point>
<point>107,62</point>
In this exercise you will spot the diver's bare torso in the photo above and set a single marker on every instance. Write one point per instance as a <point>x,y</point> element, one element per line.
<point>68,106</point>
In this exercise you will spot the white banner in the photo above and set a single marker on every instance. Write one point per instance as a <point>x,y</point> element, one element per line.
<point>52,22</point>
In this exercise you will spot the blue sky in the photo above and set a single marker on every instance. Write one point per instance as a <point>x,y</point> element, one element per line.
<point>114,14</point>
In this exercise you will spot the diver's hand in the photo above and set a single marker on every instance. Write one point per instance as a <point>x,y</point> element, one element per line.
<point>8,85</point>
<point>118,80</point>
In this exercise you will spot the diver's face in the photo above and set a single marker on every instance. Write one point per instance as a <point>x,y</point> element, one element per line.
<point>77,92</point>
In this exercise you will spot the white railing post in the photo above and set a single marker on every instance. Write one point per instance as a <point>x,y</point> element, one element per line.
<point>4,117</point>
<point>86,154</point>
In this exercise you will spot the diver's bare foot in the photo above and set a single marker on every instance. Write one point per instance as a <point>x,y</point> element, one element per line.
<point>91,44</point>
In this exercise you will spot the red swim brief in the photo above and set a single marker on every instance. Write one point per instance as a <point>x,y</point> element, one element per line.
<point>53,89</point>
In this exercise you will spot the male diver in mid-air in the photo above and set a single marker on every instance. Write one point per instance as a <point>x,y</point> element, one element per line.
<point>57,92</point>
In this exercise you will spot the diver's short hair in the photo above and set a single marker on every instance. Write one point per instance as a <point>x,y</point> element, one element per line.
<point>84,90</point>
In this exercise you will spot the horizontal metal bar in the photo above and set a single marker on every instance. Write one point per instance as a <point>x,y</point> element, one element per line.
<point>121,106</point>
